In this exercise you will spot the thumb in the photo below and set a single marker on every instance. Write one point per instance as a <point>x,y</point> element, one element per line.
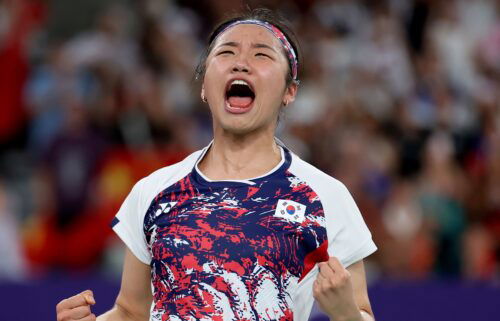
<point>88,296</point>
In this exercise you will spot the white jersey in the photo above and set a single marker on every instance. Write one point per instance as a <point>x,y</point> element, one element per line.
<point>239,249</point>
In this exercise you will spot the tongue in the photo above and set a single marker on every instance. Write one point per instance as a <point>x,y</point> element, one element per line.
<point>240,102</point>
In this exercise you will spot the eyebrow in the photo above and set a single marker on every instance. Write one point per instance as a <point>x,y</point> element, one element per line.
<point>255,45</point>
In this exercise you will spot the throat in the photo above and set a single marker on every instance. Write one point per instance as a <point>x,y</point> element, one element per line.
<point>238,165</point>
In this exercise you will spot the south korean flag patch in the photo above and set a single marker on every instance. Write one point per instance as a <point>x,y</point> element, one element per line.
<point>290,211</point>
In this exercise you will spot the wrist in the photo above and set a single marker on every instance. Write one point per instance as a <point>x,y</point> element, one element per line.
<point>355,316</point>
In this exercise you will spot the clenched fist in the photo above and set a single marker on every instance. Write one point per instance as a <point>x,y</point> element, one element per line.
<point>333,291</point>
<point>76,308</point>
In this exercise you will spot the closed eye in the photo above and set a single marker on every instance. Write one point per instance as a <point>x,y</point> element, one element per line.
<point>226,52</point>
<point>262,54</point>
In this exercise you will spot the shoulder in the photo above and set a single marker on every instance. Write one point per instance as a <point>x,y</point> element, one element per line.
<point>318,180</point>
<point>166,176</point>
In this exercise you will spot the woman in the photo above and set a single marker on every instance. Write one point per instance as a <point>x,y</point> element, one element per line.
<point>243,229</point>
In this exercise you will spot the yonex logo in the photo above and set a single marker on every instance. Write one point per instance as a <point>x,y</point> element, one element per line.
<point>165,208</point>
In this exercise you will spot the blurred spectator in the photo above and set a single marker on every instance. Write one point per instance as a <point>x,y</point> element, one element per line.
<point>12,264</point>
<point>442,192</point>
<point>408,249</point>
<point>18,20</point>
<point>453,46</point>
<point>52,86</point>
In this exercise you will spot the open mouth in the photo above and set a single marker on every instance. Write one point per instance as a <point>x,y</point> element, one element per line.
<point>239,95</point>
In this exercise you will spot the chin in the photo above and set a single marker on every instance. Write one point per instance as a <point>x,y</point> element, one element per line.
<point>241,128</point>
<point>237,129</point>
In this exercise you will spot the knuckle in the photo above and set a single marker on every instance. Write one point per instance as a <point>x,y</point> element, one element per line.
<point>87,292</point>
<point>333,284</point>
<point>61,305</point>
<point>345,276</point>
<point>82,312</point>
<point>327,286</point>
<point>63,316</point>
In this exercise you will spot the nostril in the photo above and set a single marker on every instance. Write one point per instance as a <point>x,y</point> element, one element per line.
<point>240,67</point>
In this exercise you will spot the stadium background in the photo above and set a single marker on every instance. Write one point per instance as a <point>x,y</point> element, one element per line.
<point>400,100</point>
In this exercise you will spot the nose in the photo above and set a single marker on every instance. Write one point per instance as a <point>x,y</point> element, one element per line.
<point>241,65</point>
<point>240,68</point>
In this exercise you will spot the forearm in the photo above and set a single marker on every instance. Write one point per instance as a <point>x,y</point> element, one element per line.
<point>360,316</point>
<point>117,313</point>
<point>114,315</point>
<point>134,300</point>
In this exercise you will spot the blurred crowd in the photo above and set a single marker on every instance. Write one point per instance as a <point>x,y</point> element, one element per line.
<point>400,100</point>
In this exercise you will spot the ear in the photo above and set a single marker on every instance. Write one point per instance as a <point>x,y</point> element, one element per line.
<point>202,93</point>
<point>290,93</point>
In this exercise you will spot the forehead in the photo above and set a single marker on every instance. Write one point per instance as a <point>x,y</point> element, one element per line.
<point>249,33</point>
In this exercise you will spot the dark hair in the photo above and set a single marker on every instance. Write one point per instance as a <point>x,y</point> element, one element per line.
<point>262,14</point>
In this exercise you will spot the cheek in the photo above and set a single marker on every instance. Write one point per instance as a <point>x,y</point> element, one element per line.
<point>212,79</point>
<point>215,65</point>
<point>274,84</point>
<point>274,73</point>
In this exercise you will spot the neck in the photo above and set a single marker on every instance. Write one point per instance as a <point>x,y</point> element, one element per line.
<point>233,157</point>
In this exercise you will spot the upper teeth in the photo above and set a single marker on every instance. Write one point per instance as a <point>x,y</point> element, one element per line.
<point>240,82</point>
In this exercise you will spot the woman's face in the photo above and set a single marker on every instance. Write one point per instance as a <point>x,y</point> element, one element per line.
<point>245,79</point>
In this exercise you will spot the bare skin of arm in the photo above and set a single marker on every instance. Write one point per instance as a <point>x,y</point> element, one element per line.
<point>134,299</point>
<point>342,292</point>
<point>358,280</point>
<point>132,304</point>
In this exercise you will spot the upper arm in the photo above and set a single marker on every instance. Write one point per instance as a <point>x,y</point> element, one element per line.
<point>135,294</point>
<point>358,280</point>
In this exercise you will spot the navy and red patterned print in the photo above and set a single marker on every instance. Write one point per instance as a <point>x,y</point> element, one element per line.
<point>221,251</point>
